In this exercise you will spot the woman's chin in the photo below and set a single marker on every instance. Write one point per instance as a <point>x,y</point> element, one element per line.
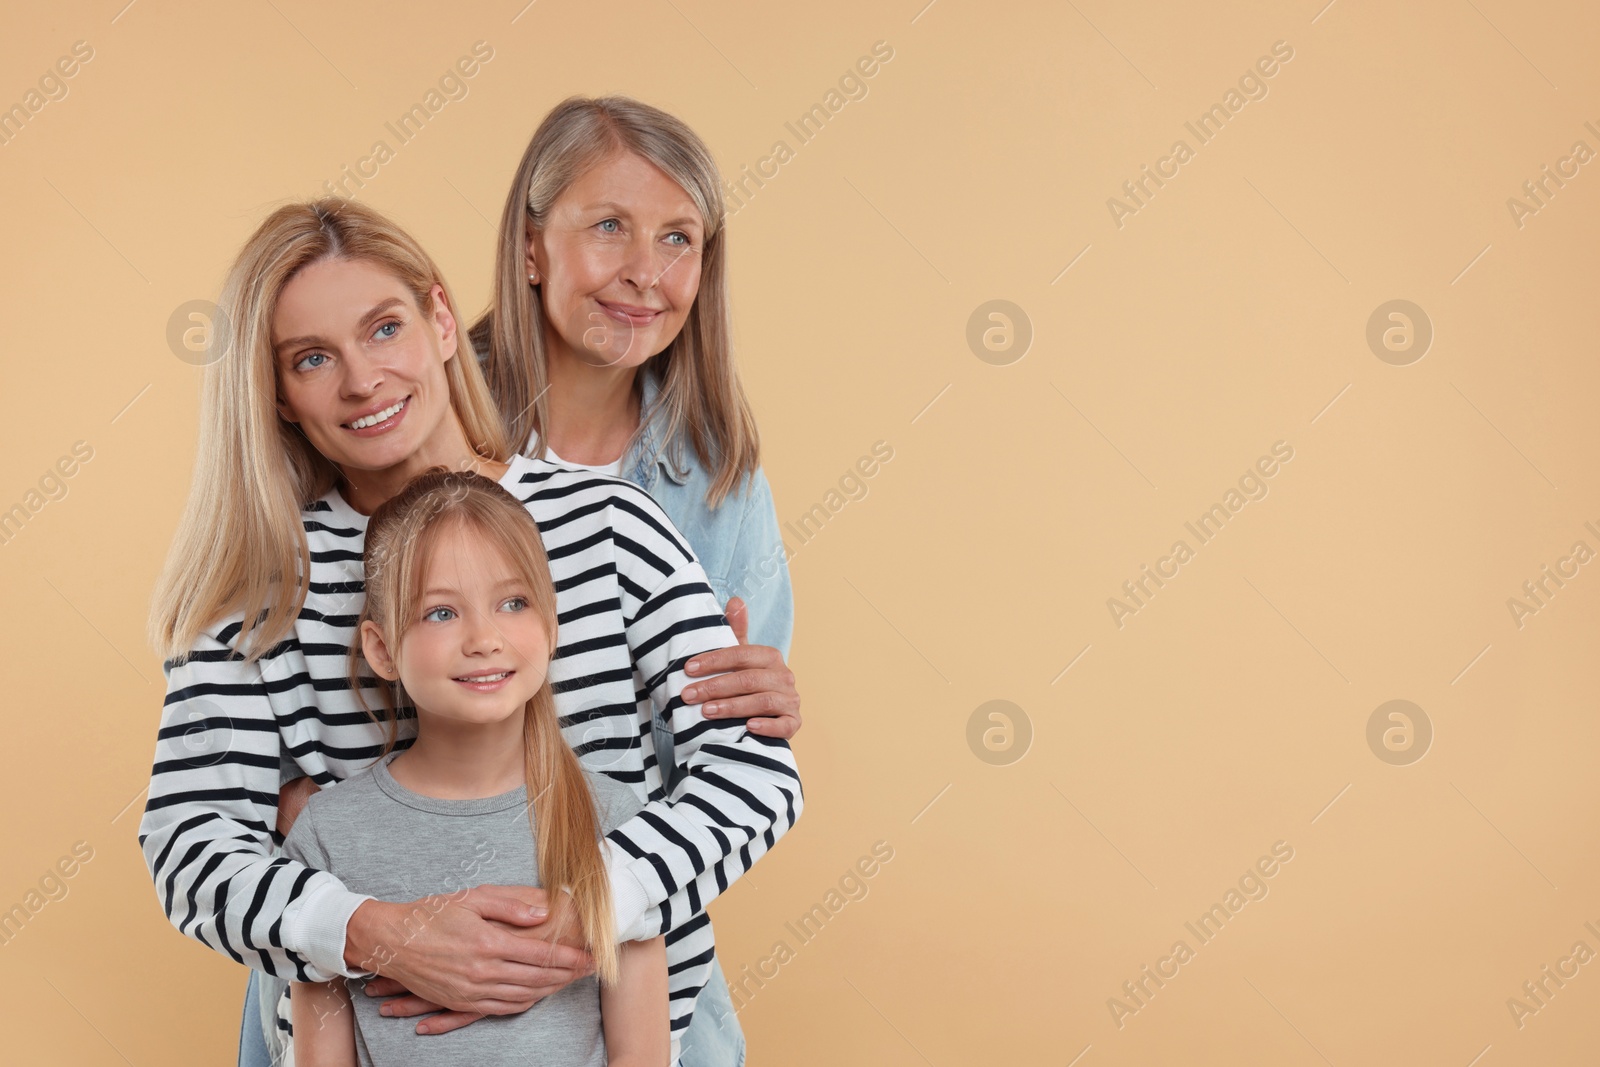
<point>371,461</point>
<point>618,355</point>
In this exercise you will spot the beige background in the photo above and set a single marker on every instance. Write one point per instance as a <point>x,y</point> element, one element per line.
<point>1228,313</point>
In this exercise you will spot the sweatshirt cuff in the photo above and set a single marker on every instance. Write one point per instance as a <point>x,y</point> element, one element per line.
<point>315,926</point>
<point>629,899</point>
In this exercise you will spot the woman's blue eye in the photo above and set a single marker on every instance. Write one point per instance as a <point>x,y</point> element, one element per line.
<point>386,326</point>
<point>430,616</point>
<point>610,222</point>
<point>306,364</point>
<point>680,233</point>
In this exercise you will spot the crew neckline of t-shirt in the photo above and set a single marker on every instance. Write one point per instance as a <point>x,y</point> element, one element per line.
<point>441,805</point>
<point>614,467</point>
<point>340,508</point>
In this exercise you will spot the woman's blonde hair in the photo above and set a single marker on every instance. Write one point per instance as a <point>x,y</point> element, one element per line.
<point>700,395</point>
<point>401,536</point>
<point>240,545</point>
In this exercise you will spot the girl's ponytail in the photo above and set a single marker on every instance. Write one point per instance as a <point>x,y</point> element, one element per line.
<point>568,830</point>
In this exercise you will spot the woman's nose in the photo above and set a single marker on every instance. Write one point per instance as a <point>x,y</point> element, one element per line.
<point>362,374</point>
<point>640,268</point>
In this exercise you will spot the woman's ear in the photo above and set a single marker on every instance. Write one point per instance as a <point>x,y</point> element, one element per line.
<point>444,321</point>
<point>376,651</point>
<point>530,264</point>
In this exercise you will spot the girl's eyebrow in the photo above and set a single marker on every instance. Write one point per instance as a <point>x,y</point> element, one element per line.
<point>446,591</point>
<point>377,310</point>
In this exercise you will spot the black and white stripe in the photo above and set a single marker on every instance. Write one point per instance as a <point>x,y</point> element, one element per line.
<point>634,606</point>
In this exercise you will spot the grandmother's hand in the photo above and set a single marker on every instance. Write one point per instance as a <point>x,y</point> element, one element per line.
<point>760,688</point>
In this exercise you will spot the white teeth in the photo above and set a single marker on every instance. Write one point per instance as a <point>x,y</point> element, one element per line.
<point>485,677</point>
<point>373,420</point>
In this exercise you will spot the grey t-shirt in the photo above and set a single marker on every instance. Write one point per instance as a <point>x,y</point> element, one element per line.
<point>382,839</point>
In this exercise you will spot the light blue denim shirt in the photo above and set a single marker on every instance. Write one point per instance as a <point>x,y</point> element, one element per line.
<point>738,544</point>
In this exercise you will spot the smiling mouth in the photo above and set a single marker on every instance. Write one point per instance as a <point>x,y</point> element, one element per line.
<point>636,316</point>
<point>486,682</point>
<point>378,416</point>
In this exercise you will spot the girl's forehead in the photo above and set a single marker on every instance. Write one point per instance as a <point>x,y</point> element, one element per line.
<point>462,554</point>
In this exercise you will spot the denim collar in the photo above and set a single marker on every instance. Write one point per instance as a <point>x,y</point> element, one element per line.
<point>648,454</point>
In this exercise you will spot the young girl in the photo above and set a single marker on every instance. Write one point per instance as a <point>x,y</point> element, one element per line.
<point>460,622</point>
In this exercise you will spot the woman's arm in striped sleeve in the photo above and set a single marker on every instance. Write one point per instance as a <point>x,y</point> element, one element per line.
<point>208,828</point>
<point>740,793</point>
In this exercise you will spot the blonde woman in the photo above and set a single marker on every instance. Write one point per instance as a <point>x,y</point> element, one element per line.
<point>607,345</point>
<point>460,623</point>
<point>339,369</point>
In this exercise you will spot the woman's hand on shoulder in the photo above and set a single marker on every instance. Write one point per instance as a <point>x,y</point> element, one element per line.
<point>760,688</point>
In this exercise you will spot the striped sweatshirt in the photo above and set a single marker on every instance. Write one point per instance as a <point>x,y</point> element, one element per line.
<point>633,607</point>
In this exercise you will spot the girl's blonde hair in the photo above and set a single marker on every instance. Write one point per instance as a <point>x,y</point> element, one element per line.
<point>700,393</point>
<point>241,546</point>
<point>401,536</point>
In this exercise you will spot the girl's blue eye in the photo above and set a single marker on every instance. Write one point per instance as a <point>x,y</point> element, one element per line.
<point>520,602</point>
<point>386,326</point>
<point>306,364</point>
<point>430,616</point>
